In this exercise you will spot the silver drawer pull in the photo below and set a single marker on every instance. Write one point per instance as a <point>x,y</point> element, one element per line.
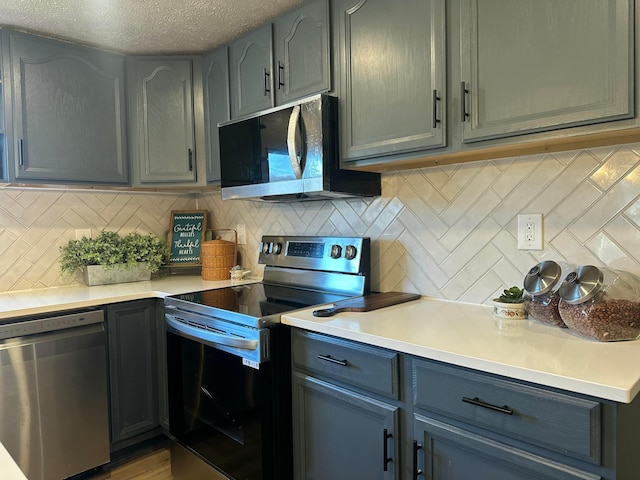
<point>329,358</point>
<point>480,403</point>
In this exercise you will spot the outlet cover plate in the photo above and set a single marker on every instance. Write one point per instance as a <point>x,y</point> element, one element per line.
<point>530,231</point>
<point>242,234</point>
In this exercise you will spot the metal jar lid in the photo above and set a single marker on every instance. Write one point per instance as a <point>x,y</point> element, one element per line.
<point>542,278</point>
<point>582,285</point>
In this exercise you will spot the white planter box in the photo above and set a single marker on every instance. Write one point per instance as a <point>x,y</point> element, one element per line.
<point>120,273</point>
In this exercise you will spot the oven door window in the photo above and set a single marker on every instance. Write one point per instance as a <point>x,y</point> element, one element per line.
<point>220,408</point>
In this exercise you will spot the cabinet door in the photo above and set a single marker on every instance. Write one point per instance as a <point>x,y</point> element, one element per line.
<point>392,83</point>
<point>163,140</point>
<point>534,65</point>
<point>3,171</point>
<point>342,435</point>
<point>301,52</point>
<point>68,112</point>
<point>133,364</point>
<point>250,72</point>
<point>446,452</point>
<point>215,76</point>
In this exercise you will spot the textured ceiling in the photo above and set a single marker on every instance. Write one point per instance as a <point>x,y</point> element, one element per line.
<point>142,26</point>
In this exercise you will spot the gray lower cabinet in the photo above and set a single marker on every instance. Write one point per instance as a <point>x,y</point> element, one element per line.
<point>67,110</point>
<point>534,65</point>
<point>162,119</point>
<point>132,332</point>
<point>342,435</point>
<point>390,62</point>
<point>447,452</point>
<point>215,80</point>
<point>359,409</point>
<point>346,413</point>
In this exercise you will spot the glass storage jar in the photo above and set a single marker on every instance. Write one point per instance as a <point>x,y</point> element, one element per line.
<point>541,296</point>
<point>601,303</point>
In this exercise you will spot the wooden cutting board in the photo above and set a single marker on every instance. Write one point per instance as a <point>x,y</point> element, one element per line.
<point>367,303</point>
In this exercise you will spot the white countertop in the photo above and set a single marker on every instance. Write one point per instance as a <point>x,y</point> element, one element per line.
<point>461,334</point>
<point>49,300</point>
<point>470,336</point>
<point>8,468</point>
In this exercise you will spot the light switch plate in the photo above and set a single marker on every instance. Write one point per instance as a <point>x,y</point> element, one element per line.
<point>242,234</point>
<point>530,231</point>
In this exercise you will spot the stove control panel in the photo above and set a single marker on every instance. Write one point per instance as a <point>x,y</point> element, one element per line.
<point>333,254</point>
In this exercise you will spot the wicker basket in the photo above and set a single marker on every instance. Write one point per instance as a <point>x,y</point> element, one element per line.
<point>218,257</point>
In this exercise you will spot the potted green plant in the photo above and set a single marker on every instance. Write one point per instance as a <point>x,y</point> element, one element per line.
<point>510,304</point>
<point>110,258</point>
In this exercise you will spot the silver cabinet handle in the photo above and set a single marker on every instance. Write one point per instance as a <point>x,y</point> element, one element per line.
<point>190,152</point>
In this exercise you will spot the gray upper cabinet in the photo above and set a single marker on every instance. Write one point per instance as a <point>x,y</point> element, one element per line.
<point>163,134</point>
<point>392,76</point>
<point>3,160</point>
<point>68,112</point>
<point>251,73</point>
<point>301,52</point>
<point>281,61</point>
<point>535,65</point>
<point>215,79</point>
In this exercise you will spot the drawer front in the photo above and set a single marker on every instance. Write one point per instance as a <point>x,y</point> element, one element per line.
<point>548,419</point>
<point>370,368</point>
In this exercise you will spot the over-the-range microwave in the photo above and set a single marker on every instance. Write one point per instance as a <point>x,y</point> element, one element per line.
<point>289,153</point>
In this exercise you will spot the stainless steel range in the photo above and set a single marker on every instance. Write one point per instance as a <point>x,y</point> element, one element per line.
<point>228,357</point>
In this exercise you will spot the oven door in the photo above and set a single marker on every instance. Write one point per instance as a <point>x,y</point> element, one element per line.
<point>235,417</point>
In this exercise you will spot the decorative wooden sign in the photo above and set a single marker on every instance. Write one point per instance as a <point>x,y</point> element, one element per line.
<point>186,234</point>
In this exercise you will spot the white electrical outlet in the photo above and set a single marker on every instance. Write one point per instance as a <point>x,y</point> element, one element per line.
<point>242,234</point>
<point>530,231</point>
<point>83,232</point>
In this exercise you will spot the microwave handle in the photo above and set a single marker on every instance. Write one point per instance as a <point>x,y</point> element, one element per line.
<point>291,142</point>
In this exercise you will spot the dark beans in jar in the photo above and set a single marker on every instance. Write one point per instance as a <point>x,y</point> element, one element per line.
<point>605,320</point>
<point>544,308</point>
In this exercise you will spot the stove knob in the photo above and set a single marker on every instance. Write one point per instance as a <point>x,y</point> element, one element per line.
<point>277,248</point>
<point>336,251</point>
<point>350,252</point>
<point>265,247</point>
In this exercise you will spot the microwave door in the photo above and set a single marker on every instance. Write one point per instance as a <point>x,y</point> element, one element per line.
<point>295,143</point>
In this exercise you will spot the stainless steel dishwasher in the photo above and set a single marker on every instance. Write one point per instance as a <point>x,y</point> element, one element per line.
<point>53,393</point>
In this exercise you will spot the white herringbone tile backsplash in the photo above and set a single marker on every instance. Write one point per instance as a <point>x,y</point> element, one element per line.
<point>34,223</point>
<point>448,232</point>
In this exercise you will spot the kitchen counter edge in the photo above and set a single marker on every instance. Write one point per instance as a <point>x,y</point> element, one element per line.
<point>468,335</point>
<point>15,304</point>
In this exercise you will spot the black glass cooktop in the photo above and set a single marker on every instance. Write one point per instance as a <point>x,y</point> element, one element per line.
<point>258,299</point>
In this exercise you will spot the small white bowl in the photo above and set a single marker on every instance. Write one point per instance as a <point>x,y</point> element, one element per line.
<point>239,274</point>
<point>513,311</point>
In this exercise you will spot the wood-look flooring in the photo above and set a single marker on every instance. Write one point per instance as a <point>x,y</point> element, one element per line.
<point>150,465</point>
